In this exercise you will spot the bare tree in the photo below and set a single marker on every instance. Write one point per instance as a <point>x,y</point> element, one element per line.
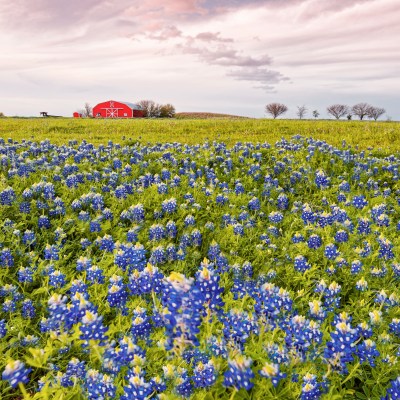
<point>167,111</point>
<point>338,110</point>
<point>301,111</point>
<point>275,109</point>
<point>2,115</point>
<point>315,114</point>
<point>375,112</point>
<point>87,111</point>
<point>150,108</point>
<point>361,110</point>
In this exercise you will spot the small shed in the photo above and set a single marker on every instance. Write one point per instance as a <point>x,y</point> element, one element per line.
<point>77,115</point>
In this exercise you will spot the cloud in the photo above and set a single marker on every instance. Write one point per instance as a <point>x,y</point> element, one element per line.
<point>212,37</point>
<point>264,78</point>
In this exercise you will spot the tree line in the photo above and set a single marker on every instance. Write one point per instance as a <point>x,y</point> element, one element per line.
<point>360,110</point>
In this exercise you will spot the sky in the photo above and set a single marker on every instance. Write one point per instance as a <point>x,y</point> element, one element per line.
<point>227,56</point>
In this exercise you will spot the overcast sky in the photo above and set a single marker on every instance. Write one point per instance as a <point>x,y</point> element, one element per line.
<point>231,56</point>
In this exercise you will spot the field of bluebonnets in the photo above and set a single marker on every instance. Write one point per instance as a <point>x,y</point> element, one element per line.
<point>170,270</point>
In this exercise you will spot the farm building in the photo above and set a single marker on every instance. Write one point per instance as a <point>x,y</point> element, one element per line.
<point>117,109</point>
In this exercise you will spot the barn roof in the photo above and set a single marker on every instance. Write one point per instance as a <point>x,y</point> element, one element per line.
<point>131,105</point>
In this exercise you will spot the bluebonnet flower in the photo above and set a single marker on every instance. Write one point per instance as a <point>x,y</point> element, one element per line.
<point>275,217</point>
<point>28,309</point>
<point>57,279</point>
<point>208,283</point>
<point>321,180</point>
<point>271,371</point>
<point>6,258</point>
<point>117,295</point>
<point>356,267</point>
<point>157,232</point>
<point>171,229</point>
<point>51,252</point>
<point>359,202</point>
<point>301,264</point>
<point>283,202</point>
<point>95,226</point>
<point>183,385</point>
<point>311,388</point>
<point>169,206</point>
<point>15,373</point>
<point>83,264</point>
<point>368,352</point>
<point>3,328</point>
<point>341,236</point>
<point>298,238</point>
<point>394,326</point>
<point>141,326</point>
<point>132,235</point>
<point>136,388</point>
<point>239,373</point>
<point>331,252</point>
<point>254,204</point>
<point>7,196</point>
<point>99,386</point>
<point>94,274</point>
<point>106,243</point>
<point>393,392</point>
<point>158,256</point>
<point>9,306</point>
<point>385,248</point>
<point>44,222</point>
<point>92,327</point>
<point>314,241</point>
<point>362,285</point>
<point>340,349</point>
<point>204,375</point>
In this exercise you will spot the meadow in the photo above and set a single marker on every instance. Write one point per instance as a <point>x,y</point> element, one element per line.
<point>384,137</point>
<point>212,259</point>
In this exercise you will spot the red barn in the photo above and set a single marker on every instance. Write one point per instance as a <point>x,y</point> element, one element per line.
<point>77,115</point>
<point>117,109</point>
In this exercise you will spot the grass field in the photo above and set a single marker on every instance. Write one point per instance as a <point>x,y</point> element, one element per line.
<point>384,137</point>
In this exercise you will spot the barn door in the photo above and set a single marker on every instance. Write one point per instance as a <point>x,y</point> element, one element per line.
<point>111,112</point>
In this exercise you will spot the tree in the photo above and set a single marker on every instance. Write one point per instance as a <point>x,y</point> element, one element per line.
<point>150,108</point>
<point>275,109</point>
<point>375,112</point>
<point>87,111</point>
<point>2,115</point>
<point>167,111</point>
<point>315,114</point>
<point>361,110</point>
<point>338,110</point>
<point>301,111</point>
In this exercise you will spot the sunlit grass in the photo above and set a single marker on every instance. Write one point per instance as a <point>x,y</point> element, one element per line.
<point>384,137</point>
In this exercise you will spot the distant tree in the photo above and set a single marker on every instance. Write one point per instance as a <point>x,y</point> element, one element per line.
<point>150,108</point>
<point>275,109</point>
<point>301,111</point>
<point>2,115</point>
<point>338,110</point>
<point>315,114</point>
<point>87,111</point>
<point>360,110</point>
<point>375,112</point>
<point>349,117</point>
<point>167,111</point>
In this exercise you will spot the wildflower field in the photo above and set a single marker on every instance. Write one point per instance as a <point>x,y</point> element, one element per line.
<point>259,267</point>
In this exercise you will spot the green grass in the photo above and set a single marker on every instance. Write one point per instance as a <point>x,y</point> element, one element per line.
<point>384,137</point>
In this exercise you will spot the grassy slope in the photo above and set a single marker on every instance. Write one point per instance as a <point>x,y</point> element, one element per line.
<point>379,135</point>
<point>206,115</point>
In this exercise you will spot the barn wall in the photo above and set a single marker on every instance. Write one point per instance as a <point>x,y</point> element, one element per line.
<point>115,109</point>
